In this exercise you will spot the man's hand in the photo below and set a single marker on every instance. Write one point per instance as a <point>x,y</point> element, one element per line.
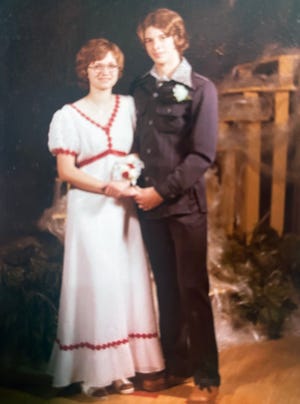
<point>147,198</point>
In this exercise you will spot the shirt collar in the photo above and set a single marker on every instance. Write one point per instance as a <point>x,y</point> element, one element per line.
<point>182,74</point>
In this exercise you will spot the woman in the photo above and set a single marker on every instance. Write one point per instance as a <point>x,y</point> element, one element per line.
<point>106,328</point>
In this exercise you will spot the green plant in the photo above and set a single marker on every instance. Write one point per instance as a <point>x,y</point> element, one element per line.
<point>265,271</point>
<point>30,276</point>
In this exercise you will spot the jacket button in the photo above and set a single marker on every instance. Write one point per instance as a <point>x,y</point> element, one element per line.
<point>147,179</point>
<point>169,110</point>
<point>148,151</point>
<point>150,122</point>
<point>155,95</point>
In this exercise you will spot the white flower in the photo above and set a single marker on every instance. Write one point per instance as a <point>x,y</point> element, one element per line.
<point>181,93</point>
<point>128,168</point>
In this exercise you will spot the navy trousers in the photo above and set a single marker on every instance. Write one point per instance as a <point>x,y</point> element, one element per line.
<point>177,248</point>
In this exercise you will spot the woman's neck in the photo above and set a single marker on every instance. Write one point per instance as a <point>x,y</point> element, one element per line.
<point>99,98</point>
<point>98,105</point>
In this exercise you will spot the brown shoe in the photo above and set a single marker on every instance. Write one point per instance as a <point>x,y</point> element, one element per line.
<point>151,382</point>
<point>153,385</point>
<point>173,380</point>
<point>203,395</point>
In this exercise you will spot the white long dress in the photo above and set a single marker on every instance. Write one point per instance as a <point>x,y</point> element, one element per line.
<point>106,326</point>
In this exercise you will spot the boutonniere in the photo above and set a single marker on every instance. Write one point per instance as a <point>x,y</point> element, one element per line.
<point>170,91</point>
<point>181,93</point>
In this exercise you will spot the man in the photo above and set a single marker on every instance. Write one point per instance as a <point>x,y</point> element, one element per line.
<point>176,137</point>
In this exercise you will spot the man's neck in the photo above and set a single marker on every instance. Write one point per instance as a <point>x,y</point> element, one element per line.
<point>167,69</point>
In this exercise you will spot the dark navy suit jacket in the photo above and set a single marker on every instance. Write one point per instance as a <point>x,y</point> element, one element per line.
<point>176,140</point>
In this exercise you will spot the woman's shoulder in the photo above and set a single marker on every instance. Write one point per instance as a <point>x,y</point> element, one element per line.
<point>66,110</point>
<point>128,105</point>
<point>63,115</point>
<point>68,106</point>
<point>127,100</point>
<point>125,97</point>
<point>63,110</point>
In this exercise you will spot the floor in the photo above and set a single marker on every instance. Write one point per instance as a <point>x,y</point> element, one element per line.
<point>265,372</point>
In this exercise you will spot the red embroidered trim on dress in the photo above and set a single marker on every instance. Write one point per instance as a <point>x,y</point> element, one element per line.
<point>106,128</point>
<point>144,336</point>
<point>100,155</point>
<point>63,151</point>
<point>100,347</point>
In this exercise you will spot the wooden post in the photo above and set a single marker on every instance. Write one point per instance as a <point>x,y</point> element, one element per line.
<point>280,147</point>
<point>250,208</point>
<point>280,73</point>
<point>228,183</point>
<point>286,69</point>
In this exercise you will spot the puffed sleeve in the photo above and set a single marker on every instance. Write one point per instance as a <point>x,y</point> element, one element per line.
<point>63,136</point>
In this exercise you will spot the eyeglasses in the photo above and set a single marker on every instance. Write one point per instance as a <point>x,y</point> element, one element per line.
<point>100,68</point>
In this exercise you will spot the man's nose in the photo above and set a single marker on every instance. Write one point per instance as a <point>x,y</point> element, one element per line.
<point>156,44</point>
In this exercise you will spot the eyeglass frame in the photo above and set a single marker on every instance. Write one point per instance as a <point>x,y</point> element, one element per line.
<point>100,68</point>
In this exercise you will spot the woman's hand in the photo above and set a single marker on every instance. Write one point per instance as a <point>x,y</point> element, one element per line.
<point>119,189</point>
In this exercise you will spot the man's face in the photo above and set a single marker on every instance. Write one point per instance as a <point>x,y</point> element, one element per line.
<point>160,48</point>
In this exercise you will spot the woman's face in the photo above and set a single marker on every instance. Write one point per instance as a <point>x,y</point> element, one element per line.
<point>103,74</point>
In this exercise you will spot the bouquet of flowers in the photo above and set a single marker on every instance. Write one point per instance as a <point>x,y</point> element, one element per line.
<point>128,168</point>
